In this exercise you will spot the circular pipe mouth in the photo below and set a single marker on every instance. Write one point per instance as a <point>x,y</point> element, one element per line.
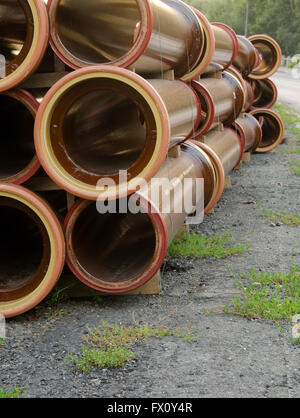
<point>18,160</point>
<point>270,56</point>
<point>265,93</point>
<point>234,40</point>
<point>208,48</point>
<point>97,121</point>
<point>115,252</point>
<point>272,129</point>
<point>101,32</point>
<point>32,249</point>
<point>24,35</point>
<point>219,175</point>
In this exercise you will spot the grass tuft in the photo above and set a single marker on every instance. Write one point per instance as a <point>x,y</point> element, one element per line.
<point>267,295</point>
<point>289,219</point>
<point>200,246</point>
<point>15,393</point>
<point>109,345</point>
<point>291,119</point>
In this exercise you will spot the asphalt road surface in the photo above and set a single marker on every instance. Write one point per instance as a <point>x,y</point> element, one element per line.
<point>288,84</point>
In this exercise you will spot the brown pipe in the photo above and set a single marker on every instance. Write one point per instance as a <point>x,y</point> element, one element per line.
<point>18,160</point>
<point>272,129</point>
<point>148,35</point>
<point>32,250</point>
<point>228,146</point>
<point>226,48</point>
<point>247,57</point>
<point>99,120</point>
<point>265,93</point>
<point>119,252</point>
<point>270,56</point>
<point>24,34</point>
<point>249,130</point>
<point>222,100</point>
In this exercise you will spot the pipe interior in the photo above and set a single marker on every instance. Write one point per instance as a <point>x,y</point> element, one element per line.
<point>24,245</point>
<point>268,57</point>
<point>16,33</point>
<point>97,31</point>
<point>264,93</point>
<point>17,143</point>
<point>270,129</point>
<point>113,247</point>
<point>102,126</point>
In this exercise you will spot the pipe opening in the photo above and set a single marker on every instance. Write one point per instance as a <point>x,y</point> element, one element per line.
<point>24,249</point>
<point>265,93</point>
<point>16,33</point>
<point>271,129</point>
<point>101,126</point>
<point>112,247</point>
<point>97,32</point>
<point>17,143</point>
<point>268,55</point>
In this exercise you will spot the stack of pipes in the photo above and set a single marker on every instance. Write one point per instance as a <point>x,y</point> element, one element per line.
<point>153,91</point>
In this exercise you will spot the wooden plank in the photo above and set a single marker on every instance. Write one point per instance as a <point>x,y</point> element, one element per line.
<point>174,152</point>
<point>41,184</point>
<point>246,157</point>
<point>228,184</point>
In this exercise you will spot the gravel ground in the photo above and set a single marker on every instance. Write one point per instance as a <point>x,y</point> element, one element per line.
<point>233,356</point>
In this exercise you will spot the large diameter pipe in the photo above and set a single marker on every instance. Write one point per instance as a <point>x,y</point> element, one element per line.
<point>18,159</point>
<point>208,51</point>
<point>222,100</point>
<point>228,146</point>
<point>24,34</point>
<point>249,129</point>
<point>270,56</point>
<point>247,58</point>
<point>226,48</point>
<point>148,35</point>
<point>32,250</point>
<point>119,252</point>
<point>272,129</point>
<point>99,120</point>
<point>247,87</point>
<point>265,93</point>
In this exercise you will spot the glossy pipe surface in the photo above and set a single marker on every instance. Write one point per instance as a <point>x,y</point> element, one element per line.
<point>149,35</point>
<point>250,131</point>
<point>222,100</point>
<point>32,249</point>
<point>99,120</point>
<point>228,145</point>
<point>246,59</point>
<point>133,245</point>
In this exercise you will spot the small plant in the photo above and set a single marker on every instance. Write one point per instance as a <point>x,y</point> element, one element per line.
<point>110,345</point>
<point>200,246</point>
<point>57,296</point>
<point>267,295</point>
<point>288,219</point>
<point>15,393</point>
<point>296,167</point>
<point>291,119</point>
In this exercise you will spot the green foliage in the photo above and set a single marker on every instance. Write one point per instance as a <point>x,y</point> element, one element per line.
<point>290,118</point>
<point>200,246</point>
<point>296,167</point>
<point>110,345</point>
<point>267,295</point>
<point>15,393</point>
<point>277,18</point>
